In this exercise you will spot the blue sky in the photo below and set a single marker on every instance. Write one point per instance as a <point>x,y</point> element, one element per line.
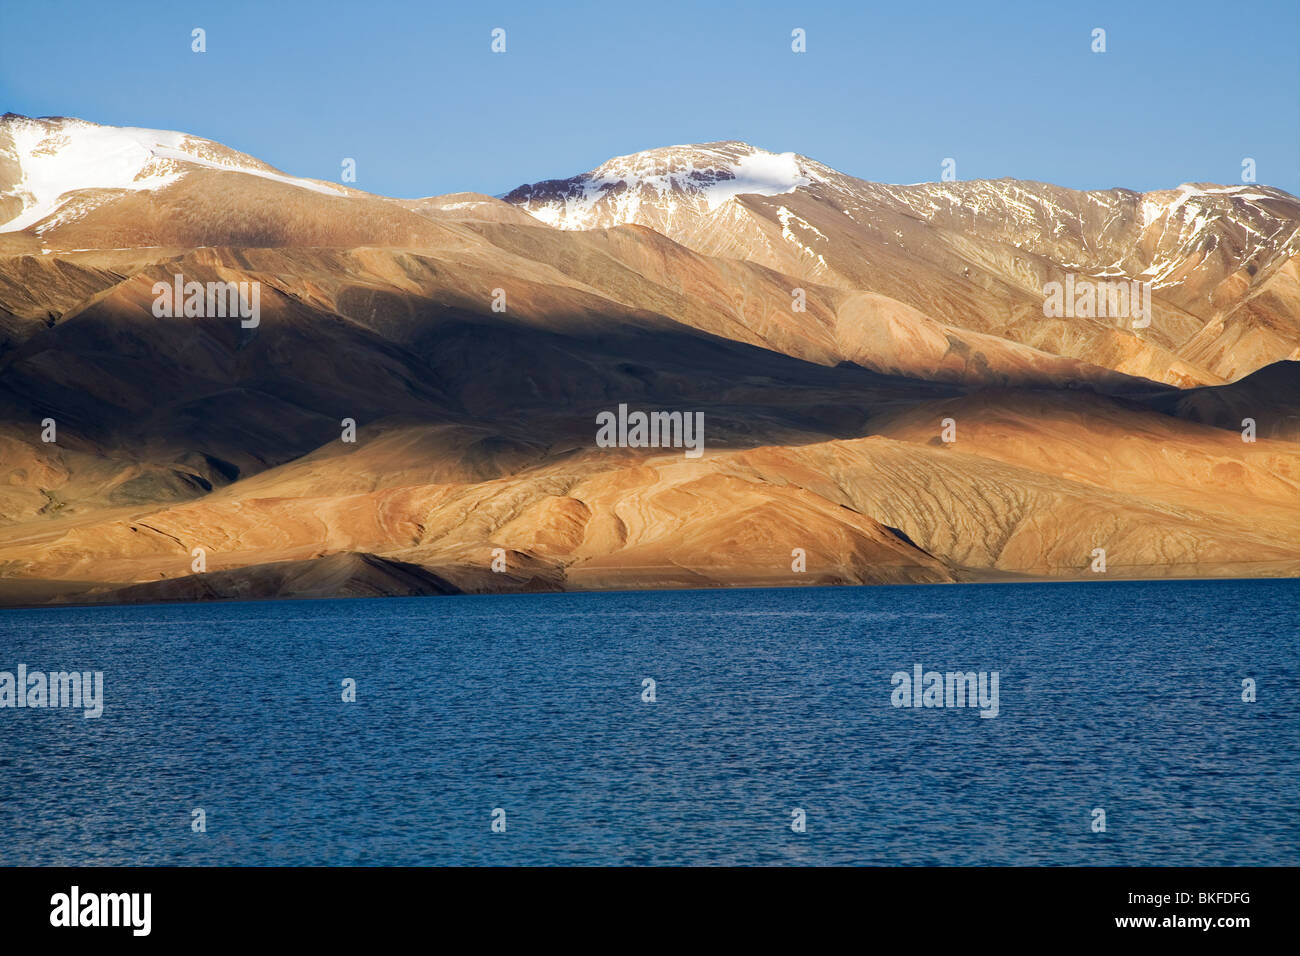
<point>411,90</point>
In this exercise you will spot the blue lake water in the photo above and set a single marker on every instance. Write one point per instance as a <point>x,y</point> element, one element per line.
<point>1121,696</point>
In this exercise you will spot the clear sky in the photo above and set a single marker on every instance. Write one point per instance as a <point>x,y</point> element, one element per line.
<point>885,91</point>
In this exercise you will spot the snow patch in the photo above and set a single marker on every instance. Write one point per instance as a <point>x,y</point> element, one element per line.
<point>63,157</point>
<point>787,217</point>
<point>667,181</point>
<point>79,156</point>
<point>324,189</point>
<point>761,173</point>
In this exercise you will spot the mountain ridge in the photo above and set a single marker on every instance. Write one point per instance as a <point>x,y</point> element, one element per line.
<point>827,335</point>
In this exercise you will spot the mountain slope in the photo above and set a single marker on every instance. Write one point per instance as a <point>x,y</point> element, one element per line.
<point>972,254</point>
<point>827,329</point>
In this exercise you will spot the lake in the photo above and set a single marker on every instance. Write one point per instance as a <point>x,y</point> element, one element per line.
<point>1123,697</point>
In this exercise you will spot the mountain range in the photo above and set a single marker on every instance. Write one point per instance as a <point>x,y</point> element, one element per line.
<point>828,328</point>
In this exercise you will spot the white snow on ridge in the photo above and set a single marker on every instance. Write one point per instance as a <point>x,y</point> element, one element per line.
<point>59,158</point>
<point>181,156</point>
<point>81,156</point>
<point>700,177</point>
<point>761,173</point>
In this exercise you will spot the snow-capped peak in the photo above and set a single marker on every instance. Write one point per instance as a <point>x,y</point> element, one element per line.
<point>57,157</point>
<point>701,178</point>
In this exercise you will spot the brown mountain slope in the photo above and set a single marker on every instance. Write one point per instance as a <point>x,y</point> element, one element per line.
<point>972,254</point>
<point>1270,397</point>
<point>1032,486</point>
<point>473,344</point>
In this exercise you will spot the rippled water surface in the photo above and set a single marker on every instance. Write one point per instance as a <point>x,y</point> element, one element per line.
<point>1120,696</point>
